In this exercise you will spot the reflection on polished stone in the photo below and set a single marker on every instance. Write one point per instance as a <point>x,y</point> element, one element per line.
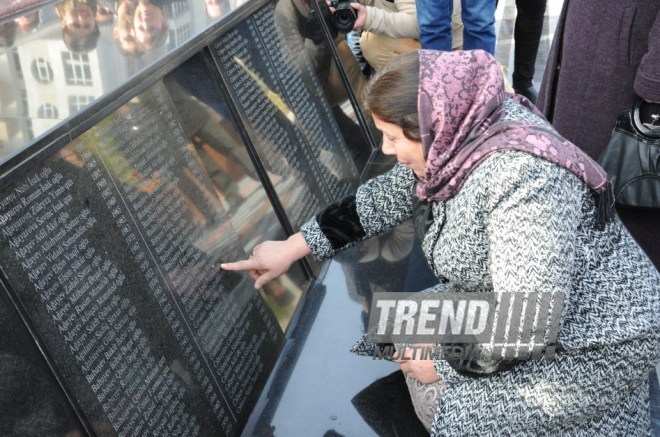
<point>385,405</point>
<point>112,245</point>
<point>57,59</point>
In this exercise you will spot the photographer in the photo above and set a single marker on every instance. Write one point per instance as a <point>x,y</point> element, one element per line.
<point>389,28</point>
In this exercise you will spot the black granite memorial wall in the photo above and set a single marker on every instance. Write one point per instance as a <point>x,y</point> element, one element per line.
<point>114,220</point>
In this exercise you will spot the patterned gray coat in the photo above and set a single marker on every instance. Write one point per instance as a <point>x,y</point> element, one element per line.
<point>522,224</point>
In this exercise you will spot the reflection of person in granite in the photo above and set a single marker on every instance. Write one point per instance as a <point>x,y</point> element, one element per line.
<point>150,23</point>
<point>216,8</point>
<point>206,121</point>
<point>28,22</point>
<point>385,406</point>
<point>80,31</point>
<point>502,203</point>
<point>7,33</point>
<point>302,31</point>
<point>124,31</point>
<point>376,265</point>
<point>105,12</point>
<point>220,151</point>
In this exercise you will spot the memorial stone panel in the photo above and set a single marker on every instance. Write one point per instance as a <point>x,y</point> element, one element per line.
<point>272,82</point>
<point>208,123</point>
<point>32,401</point>
<point>111,246</point>
<point>117,317</point>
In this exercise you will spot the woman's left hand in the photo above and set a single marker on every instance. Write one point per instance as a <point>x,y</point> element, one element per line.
<point>422,370</point>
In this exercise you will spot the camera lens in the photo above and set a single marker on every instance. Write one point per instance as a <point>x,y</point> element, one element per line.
<point>344,19</point>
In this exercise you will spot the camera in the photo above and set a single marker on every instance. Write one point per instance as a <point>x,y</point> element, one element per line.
<point>344,16</point>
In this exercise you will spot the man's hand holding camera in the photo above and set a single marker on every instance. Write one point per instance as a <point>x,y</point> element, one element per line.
<point>347,15</point>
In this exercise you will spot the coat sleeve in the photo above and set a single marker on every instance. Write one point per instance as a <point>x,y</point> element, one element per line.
<point>647,80</point>
<point>532,220</point>
<point>396,20</point>
<point>377,206</point>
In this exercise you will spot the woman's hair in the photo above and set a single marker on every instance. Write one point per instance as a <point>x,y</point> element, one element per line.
<point>392,94</point>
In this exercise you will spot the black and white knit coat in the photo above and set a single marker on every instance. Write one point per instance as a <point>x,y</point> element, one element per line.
<point>521,224</point>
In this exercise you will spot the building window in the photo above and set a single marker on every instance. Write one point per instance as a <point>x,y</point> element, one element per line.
<point>24,103</point>
<point>41,71</point>
<point>30,130</point>
<point>76,103</point>
<point>182,34</point>
<point>47,110</point>
<point>77,70</point>
<point>17,64</point>
<point>179,8</point>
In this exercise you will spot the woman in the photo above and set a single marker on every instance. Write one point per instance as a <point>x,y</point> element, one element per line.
<point>503,204</point>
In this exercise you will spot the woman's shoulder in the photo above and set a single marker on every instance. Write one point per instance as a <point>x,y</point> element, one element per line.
<point>506,172</point>
<point>519,165</point>
<point>516,111</point>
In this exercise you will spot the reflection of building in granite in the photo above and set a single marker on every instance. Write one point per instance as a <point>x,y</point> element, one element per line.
<point>48,83</point>
<point>43,83</point>
<point>180,23</point>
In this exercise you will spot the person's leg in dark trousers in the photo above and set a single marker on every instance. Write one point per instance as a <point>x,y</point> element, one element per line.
<point>527,35</point>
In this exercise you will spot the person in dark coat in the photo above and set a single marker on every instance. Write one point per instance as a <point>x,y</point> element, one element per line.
<point>604,54</point>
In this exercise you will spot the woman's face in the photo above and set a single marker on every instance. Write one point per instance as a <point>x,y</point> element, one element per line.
<point>216,8</point>
<point>124,32</point>
<point>149,20</point>
<point>409,153</point>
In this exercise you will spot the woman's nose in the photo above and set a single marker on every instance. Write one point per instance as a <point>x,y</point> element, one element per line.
<point>387,148</point>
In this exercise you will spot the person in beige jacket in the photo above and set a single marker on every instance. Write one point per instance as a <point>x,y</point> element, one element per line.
<point>389,28</point>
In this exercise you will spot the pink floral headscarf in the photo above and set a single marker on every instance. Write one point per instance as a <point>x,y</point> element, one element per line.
<point>460,106</point>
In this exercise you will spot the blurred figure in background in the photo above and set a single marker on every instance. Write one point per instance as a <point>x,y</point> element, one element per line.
<point>28,22</point>
<point>7,33</point>
<point>150,23</point>
<point>389,29</point>
<point>216,8</point>
<point>80,31</point>
<point>124,32</point>
<point>435,19</point>
<point>527,36</point>
<point>105,11</point>
<point>608,57</point>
